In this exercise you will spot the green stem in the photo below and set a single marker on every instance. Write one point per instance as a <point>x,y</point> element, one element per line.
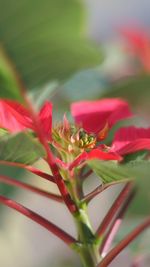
<point>87,258</point>
<point>88,248</point>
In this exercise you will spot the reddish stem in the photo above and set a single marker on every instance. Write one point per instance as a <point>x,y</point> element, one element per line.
<point>99,189</point>
<point>115,225</point>
<point>124,243</point>
<point>40,173</point>
<point>69,240</point>
<point>10,181</point>
<point>30,169</point>
<point>114,208</point>
<point>38,129</point>
<point>51,160</point>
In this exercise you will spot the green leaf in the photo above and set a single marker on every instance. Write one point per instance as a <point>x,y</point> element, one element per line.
<point>141,171</point>
<point>45,39</point>
<point>109,172</point>
<point>3,132</point>
<point>20,148</point>
<point>137,156</point>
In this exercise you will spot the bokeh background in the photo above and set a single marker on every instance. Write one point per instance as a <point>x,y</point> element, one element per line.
<point>68,50</point>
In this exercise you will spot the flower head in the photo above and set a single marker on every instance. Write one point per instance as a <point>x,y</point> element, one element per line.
<point>84,139</point>
<point>93,119</point>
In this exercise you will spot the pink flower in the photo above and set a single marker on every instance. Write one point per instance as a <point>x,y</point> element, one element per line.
<point>15,117</point>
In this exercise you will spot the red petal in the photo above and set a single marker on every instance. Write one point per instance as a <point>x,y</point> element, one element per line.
<point>102,155</point>
<point>94,154</point>
<point>93,115</point>
<point>45,117</point>
<point>13,116</point>
<point>131,139</point>
<point>140,44</point>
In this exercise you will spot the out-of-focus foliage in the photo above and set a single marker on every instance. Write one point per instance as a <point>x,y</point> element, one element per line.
<point>142,243</point>
<point>45,39</point>
<point>8,84</point>
<point>86,84</point>
<point>135,89</point>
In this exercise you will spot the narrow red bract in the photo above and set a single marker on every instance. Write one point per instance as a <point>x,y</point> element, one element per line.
<point>14,117</point>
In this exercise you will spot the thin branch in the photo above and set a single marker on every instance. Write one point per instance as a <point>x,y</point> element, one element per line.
<point>99,189</point>
<point>87,174</point>
<point>124,243</point>
<point>69,240</point>
<point>10,181</point>
<point>106,244</point>
<point>94,193</point>
<point>30,169</point>
<point>114,209</point>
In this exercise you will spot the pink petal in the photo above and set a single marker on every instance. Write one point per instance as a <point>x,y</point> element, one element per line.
<point>131,139</point>
<point>13,116</point>
<point>45,117</point>
<point>93,115</point>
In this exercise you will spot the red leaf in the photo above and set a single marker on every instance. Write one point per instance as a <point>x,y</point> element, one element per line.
<point>13,116</point>
<point>45,117</point>
<point>131,139</point>
<point>99,154</point>
<point>93,115</point>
